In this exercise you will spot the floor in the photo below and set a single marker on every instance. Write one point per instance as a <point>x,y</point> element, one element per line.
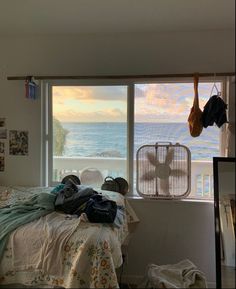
<point>228,277</point>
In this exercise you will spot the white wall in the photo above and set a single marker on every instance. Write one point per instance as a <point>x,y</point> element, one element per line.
<point>168,232</point>
<point>209,51</point>
<point>171,231</point>
<point>20,114</point>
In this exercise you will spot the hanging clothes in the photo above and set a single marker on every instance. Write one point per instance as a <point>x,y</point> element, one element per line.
<point>195,116</point>
<point>214,112</point>
<point>30,88</point>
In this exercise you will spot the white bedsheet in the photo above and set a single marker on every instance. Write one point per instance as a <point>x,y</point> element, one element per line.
<point>47,252</point>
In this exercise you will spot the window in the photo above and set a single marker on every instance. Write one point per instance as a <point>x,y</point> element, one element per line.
<point>161,111</point>
<point>95,129</point>
<point>89,132</point>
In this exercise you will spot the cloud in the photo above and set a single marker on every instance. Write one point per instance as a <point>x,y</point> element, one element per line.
<point>160,94</point>
<point>107,115</point>
<point>160,99</point>
<point>151,91</point>
<point>61,94</point>
<point>170,102</point>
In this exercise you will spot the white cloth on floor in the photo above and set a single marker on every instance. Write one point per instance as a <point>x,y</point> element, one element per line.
<point>181,275</point>
<point>39,244</point>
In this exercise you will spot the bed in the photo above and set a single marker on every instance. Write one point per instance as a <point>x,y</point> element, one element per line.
<point>58,250</point>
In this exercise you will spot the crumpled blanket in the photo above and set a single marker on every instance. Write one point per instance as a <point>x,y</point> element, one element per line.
<point>181,275</point>
<point>14,216</point>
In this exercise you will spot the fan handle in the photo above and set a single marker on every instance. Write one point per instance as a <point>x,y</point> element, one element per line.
<point>163,143</point>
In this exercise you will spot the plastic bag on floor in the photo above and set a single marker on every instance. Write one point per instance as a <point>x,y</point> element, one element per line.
<point>181,275</point>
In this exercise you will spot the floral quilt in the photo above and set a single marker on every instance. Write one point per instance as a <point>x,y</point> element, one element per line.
<point>89,257</point>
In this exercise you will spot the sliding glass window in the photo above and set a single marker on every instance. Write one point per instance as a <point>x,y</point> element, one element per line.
<point>94,129</point>
<point>89,127</point>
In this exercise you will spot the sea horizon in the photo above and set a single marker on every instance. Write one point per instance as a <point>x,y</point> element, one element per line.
<point>109,139</point>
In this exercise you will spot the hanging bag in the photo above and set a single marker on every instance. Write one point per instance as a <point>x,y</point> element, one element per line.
<point>123,185</point>
<point>110,184</point>
<point>195,116</point>
<point>119,185</point>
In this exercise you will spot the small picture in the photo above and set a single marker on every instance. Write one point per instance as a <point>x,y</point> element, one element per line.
<point>3,133</point>
<point>2,164</point>
<point>2,147</point>
<point>18,142</point>
<point>2,121</point>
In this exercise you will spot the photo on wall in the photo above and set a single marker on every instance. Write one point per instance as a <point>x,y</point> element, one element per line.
<point>2,147</point>
<point>2,121</point>
<point>2,164</point>
<point>18,142</point>
<point>3,133</point>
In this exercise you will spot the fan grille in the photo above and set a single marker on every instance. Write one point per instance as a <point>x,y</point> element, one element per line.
<point>163,171</point>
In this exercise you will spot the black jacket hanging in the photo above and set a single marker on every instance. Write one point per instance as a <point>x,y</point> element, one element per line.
<point>214,111</point>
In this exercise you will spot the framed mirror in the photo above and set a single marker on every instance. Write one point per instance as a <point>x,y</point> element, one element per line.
<point>224,209</point>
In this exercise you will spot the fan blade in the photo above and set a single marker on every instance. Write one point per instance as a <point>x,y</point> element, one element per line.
<point>152,159</point>
<point>148,176</point>
<point>164,185</point>
<point>178,173</point>
<point>169,156</point>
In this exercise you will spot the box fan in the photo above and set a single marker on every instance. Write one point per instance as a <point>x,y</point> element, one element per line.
<point>163,171</point>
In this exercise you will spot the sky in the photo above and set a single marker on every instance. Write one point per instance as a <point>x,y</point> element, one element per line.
<point>162,102</point>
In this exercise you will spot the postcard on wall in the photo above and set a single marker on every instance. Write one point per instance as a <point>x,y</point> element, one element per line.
<point>2,164</point>
<point>18,142</point>
<point>3,133</point>
<point>2,121</point>
<point>2,147</point>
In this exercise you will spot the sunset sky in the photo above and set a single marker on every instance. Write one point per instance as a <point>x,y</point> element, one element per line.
<point>169,102</point>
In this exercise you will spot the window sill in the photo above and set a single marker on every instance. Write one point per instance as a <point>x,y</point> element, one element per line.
<point>139,198</point>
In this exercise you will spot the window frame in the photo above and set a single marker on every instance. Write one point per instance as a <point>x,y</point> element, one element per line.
<point>46,117</point>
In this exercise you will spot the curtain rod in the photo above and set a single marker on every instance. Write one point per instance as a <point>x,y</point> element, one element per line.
<point>40,77</point>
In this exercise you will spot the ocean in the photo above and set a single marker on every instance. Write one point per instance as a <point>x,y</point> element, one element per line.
<point>110,139</point>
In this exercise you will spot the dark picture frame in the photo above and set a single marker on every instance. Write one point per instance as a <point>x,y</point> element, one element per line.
<point>18,142</point>
<point>218,249</point>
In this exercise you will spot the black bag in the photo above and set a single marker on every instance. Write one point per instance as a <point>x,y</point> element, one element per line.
<point>123,185</point>
<point>110,184</point>
<point>119,185</point>
<point>100,210</point>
